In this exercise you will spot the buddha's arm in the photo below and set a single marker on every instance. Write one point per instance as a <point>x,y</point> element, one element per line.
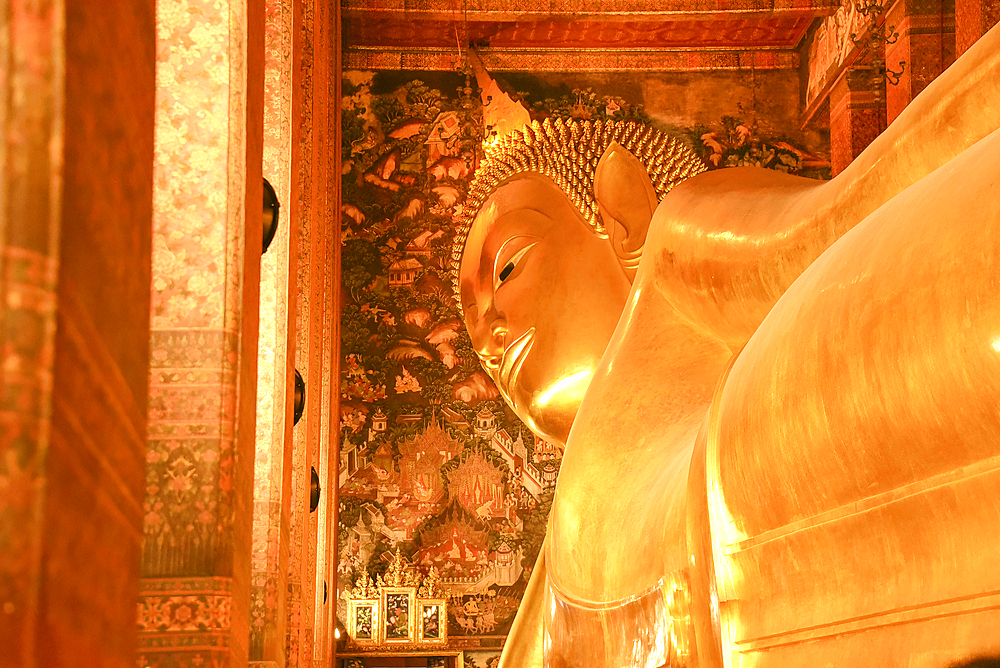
<point>523,647</point>
<point>730,242</point>
<point>624,469</point>
<point>864,411</point>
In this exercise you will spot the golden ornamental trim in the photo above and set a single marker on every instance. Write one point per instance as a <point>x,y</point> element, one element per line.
<point>399,608</point>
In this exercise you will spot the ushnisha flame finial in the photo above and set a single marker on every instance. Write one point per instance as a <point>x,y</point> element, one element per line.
<point>567,152</point>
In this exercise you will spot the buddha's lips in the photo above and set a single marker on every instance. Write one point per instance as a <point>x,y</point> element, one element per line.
<point>512,361</point>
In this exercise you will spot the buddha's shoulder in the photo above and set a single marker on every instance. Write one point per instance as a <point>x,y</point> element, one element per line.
<point>879,367</point>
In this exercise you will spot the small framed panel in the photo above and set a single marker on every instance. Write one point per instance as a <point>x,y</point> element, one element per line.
<point>433,622</point>
<point>364,624</point>
<point>398,627</point>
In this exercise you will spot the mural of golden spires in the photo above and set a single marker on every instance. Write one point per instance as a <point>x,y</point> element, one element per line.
<point>364,588</point>
<point>567,152</point>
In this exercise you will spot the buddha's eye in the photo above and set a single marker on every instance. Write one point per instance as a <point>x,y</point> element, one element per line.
<point>506,271</point>
<point>511,265</point>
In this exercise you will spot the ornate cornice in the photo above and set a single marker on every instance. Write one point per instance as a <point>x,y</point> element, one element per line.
<point>603,9</point>
<point>600,35</point>
<point>569,60</point>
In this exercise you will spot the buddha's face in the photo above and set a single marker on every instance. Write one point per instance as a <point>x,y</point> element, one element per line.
<point>542,295</point>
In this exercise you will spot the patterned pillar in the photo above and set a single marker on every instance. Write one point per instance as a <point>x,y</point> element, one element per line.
<point>310,613</point>
<point>275,379</point>
<point>309,83</point>
<point>857,116</point>
<point>926,46</point>
<point>194,607</point>
<point>75,209</point>
<point>326,618</point>
<point>973,18</point>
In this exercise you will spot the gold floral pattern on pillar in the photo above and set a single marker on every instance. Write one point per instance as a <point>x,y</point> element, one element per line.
<point>194,337</point>
<point>199,191</point>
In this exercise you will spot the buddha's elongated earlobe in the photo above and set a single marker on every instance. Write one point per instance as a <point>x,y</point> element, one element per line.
<point>626,199</point>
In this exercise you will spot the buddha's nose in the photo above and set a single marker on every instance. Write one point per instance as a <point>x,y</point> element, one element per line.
<point>489,339</point>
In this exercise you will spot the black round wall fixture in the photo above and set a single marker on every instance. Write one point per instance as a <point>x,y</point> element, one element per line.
<point>271,207</point>
<point>314,491</point>
<point>299,404</point>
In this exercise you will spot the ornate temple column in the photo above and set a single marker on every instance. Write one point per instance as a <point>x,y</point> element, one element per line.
<point>857,116</point>
<point>973,18</point>
<point>925,47</point>
<point>329,451</point>
<point>194,604</point>
<point>276,352</point>
<point>316,210</point>
<point>76,155</point>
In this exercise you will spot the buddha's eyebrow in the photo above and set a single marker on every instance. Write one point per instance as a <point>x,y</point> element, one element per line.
<point>521,208</point>
<point>511,238</point>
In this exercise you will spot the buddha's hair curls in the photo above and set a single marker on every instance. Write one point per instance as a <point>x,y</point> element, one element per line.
<point>568,153</point>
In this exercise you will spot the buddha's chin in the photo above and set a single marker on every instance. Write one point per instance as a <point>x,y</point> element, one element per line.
<point>552,424</point>
<point>550,413</point>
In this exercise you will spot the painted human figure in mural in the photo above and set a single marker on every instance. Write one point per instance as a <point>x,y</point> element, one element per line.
<point>778,396</point>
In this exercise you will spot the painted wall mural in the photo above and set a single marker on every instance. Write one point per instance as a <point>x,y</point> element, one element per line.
<point>431,460</point>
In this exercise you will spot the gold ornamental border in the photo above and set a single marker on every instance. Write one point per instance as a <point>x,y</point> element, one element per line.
<point>568,60</point>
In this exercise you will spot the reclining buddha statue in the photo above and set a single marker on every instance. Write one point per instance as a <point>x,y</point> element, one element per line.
<point>780,398</point>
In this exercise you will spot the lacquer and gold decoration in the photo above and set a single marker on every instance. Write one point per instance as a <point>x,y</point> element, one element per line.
<point>398,609</point>
<point>398,605</point>
<point>363,606</point>
<point>432,624</point>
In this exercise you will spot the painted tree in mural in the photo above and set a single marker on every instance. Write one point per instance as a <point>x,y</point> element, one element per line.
<point>432,462</point>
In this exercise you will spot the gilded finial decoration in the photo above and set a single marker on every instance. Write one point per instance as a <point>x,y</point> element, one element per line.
<point>431,587</point>
<point>399,609</point>
<point>396,576</point>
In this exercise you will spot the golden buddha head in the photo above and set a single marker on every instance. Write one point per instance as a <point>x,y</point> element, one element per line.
<point>546,249</point>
